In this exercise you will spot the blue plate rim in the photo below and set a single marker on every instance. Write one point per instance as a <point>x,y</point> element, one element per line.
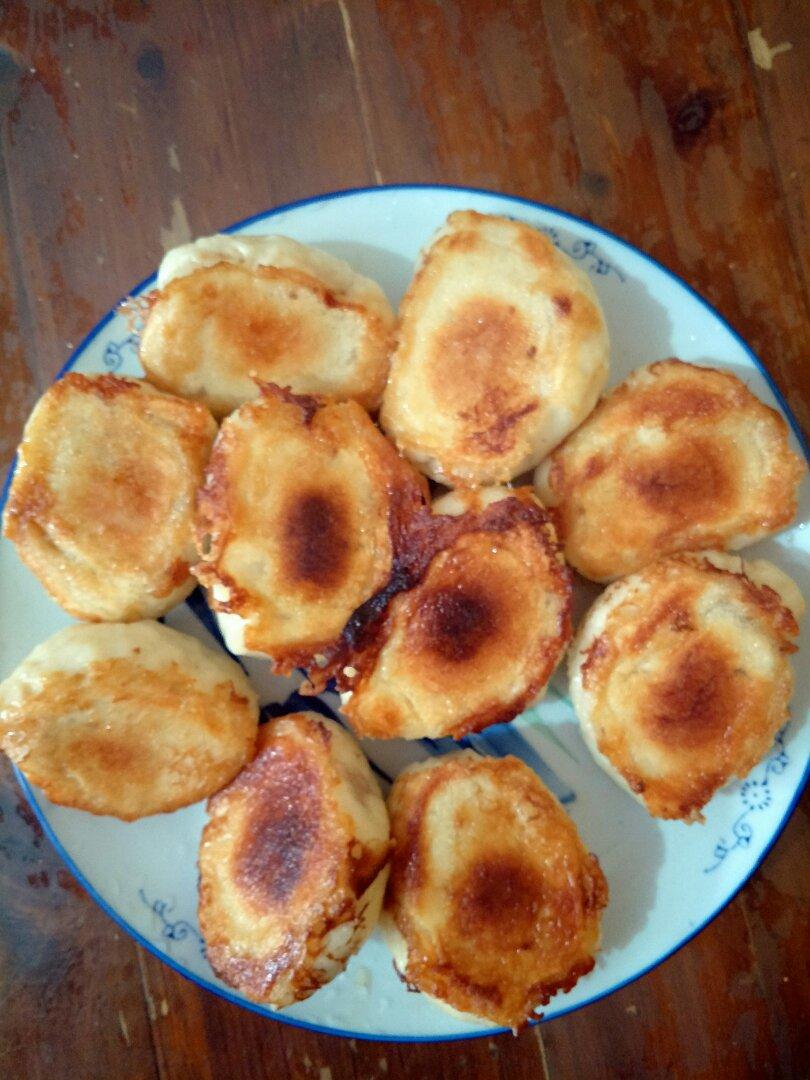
<point>460,1036</point>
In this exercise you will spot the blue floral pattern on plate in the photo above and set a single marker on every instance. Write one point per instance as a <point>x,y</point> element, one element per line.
<point>172,929</point>
<point>115,352</point>
<point>756,795</point>
<point>584,249</point>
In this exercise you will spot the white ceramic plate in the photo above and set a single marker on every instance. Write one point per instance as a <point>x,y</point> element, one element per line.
<point>667,880</point>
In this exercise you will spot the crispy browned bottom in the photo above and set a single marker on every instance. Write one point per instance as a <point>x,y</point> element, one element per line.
<point>497,901</point>
<point>470,630</point>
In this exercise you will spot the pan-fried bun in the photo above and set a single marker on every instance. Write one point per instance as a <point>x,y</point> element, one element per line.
<point>293,862</point>
<point>677,458</point>
<point>101,506</point>
<point>502,351</point>
<point>494,904</point>
<point>477,637</point>
<point>233,309</point>
<point>680,675</point>
<point>298,524</point>
<point>127,719</point>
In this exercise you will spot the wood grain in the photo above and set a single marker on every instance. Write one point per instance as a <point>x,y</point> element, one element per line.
<point>783,100</point>
<point>129,126</point>
<point>639,115</point>
<point>70,995</point>
<point>707,1011</point>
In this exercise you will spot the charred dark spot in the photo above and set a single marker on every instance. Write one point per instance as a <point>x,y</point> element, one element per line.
<point>562,305</point>
<point>366,618</point>
<point>531,352</point>
<point>150,63</point>
<point>280,834</point>
<point>408,986</point>
<point>455,622</point>
<point>316,539</point>
<point>696,699</point>
<point>330,300</point>
<point>499,894</point>
<point>419,537</point>
<point>691,117</point>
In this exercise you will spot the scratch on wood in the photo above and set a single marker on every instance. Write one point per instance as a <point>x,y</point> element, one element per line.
<point>179,231</point>
<point>761,983</point>
<point>122,1023</point>
<point>543,1062</point>
<point>361,94</point>
<point>147,992</point>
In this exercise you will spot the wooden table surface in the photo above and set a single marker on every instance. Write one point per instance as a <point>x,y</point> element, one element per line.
<point>130,126</point>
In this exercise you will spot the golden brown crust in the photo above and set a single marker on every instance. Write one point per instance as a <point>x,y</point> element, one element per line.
<point>102,501</point>
<point>681,680</point>
<point>210,334</point>
<point>315,497</point>
<point>502,350</point>
<point>496,898</point>
<point>677,458</point>
<point>127,719</point>
<point>472,629</point>
<point>282,866</point>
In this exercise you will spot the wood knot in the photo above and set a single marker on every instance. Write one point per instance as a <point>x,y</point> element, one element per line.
<point>595,183</point>
<point>150,63</point>
<point>692,117</point>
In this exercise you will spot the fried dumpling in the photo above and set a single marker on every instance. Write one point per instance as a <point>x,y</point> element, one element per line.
<point>230,310</point>
<point>494,904</point>
<point>502,351</point>
<point>293,862</point>
<point>479,631</point>
<point>298,524</point>
<point>676,458</point>
<point>101,507</point>
<point>127,719</point>
<point>680,677</point>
